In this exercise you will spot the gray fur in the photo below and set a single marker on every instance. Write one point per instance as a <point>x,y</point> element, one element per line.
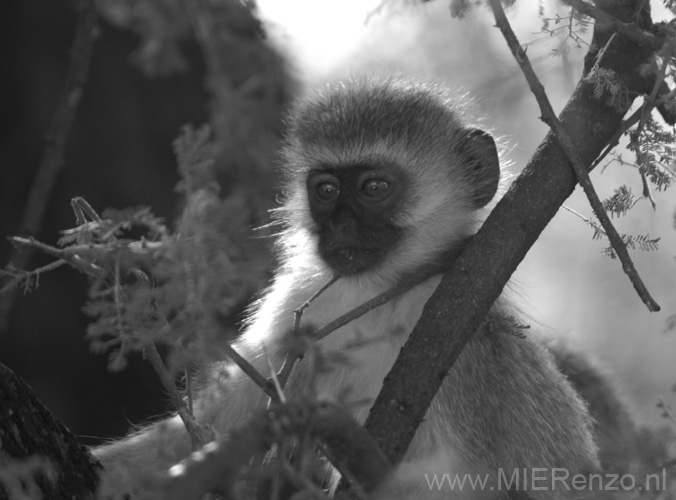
<point>503,405</point>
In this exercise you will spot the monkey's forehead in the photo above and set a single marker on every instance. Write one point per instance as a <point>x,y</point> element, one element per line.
<point>370,110</point>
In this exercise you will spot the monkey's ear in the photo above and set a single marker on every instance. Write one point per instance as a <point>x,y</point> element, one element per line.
<point>478,150</point>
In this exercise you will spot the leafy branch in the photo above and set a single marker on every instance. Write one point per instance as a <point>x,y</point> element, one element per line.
<point>549,117</point>
<point>150,286</point>
<point>621,202</point>
<point>52,160</point>
<point>608,22</point>
<point>641,242</point>
<point>572,26</point>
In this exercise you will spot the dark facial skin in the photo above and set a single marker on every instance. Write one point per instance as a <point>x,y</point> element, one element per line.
<point>354,207</point>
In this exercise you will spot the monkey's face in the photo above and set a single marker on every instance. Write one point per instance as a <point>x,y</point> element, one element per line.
<point>354,209</point>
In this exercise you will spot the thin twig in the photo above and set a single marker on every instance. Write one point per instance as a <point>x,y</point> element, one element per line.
<point>188,390</point>
<point>583,218</point>
<point>19,276</point>
<point>282,376</point>
<point>626,125</point>
<point>298,313</point>
<point>635,117</point>
<point>251,372</point>
<point>284,373</point>
<point>72,254</point>
<point>403,286</point>
<point>569,148</point>
<point>170,386</point>
<point>52,157</point>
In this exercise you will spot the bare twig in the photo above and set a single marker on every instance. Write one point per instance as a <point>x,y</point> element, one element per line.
<point>57,135</point>
<point>403,286</point>
<point>267,386</point>
<point>635,118</point>
<point>188,390</point>
<point>298,313</point>
<point>549,117</point>
<point>626,125</point>
<point>19,276</point>
<point>282,376</point>
<point>71,255</point>
<point>287,367</point>
<point>170,386</point>
<point>584,219</point>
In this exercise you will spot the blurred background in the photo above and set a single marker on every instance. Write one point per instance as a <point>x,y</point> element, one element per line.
<point>119,154</point>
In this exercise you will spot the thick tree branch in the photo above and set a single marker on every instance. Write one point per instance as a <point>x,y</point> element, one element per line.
<point>608,22</point>
<point>29,430</point>
<point>57,135</point>
<point>471,286</point>
<point>549,117</point>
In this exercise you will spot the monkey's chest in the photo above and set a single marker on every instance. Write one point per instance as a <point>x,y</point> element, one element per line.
<point>357,357</point>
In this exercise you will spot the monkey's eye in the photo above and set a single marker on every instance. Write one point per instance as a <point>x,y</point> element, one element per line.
<point>375,188</point>
<point>323,187</point>
<point>327,190</point>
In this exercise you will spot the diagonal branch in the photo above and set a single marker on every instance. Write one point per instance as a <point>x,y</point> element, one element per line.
<point>469,289</point>
<point>549,117</point>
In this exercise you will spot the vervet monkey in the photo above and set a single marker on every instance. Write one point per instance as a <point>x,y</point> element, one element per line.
<point>384,177</point>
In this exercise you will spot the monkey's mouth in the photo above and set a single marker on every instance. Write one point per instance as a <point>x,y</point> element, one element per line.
<point>351,260</point>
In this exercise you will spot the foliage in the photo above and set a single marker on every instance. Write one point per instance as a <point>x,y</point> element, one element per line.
<point>655,148</point>
<point>622,201</point>
<point>652,142</point>
<point>149,284</point>
<point>608,86</point>
<point>574,27</point>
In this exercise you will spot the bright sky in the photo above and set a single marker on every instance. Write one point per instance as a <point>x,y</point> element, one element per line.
<point>322,31</point>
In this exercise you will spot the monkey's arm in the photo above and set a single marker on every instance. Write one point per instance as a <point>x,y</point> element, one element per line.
<point>223,403</point>
<point>516,415</point>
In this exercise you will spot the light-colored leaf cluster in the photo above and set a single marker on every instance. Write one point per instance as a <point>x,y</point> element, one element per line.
<point>607,86</point>
<point>655,149</point>
<point>622,201</point>
<point>641,242</point>
<point>181,288</point>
